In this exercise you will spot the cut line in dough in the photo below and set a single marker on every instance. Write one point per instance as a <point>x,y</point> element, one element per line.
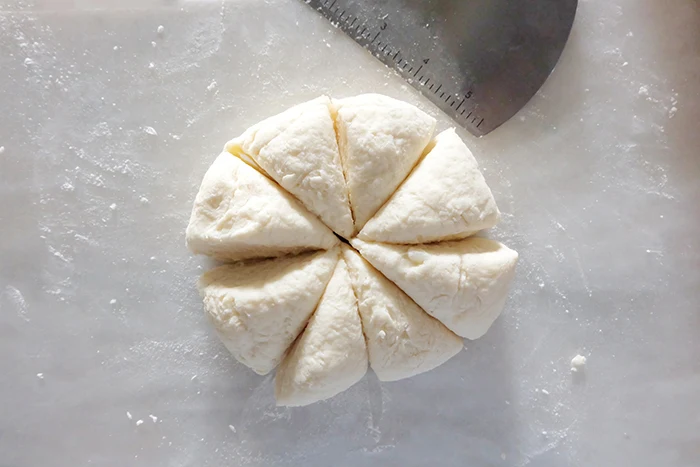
<point>380,140</point>
<point>402,340</point>
<point>330,355</point>
<point>240,214</point>
<point>463,283</point>
<point>445,197</point>
<point>258,308</point>
<point>298,149</point>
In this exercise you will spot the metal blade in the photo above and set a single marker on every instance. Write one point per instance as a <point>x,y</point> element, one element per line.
<point>479,60</point>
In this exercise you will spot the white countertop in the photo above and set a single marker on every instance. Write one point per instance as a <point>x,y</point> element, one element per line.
<point>106,136</point>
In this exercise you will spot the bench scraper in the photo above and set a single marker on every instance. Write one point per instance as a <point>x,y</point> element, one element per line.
<point>478,60</point>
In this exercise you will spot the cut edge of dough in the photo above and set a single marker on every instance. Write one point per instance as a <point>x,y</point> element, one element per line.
<point>220,250</point>
<point>477,325</point>
<point>334,107</point>
<point>295,400</point>
<point>362,235</point>
<point>207,279</point>
<point>235,147</point>
<point>345,251</point>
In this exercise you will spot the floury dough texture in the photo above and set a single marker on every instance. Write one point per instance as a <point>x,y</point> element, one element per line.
<point>402,340</point>
<point>462,283</point>
<point>298,150</point>
<point>240,214</point>
<point>444,197</point>
<point>331,354</point>
<point>259,308</point>
<point>380,140</point>
<point>367,169</point>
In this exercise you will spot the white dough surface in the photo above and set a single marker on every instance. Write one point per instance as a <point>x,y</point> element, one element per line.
<point>445,197</point>
<point>259,308</point>
<point>298,149</point>
<point>463,283</point>
<point>240,214</point>
<point>331,354</point>
<point>402,339</point>
<point>380,140</point>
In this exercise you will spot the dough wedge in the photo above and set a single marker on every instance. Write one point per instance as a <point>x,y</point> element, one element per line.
<point>330,355</point>
<point>380,140</point>
<point>463,283</point>
<point>402,340</point>
<point>298,150</point>
<point>259,308</point>
<point>445,198</point>
<point>239,214</point>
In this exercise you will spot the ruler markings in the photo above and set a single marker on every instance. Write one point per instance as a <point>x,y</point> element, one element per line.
<point>368,34</point>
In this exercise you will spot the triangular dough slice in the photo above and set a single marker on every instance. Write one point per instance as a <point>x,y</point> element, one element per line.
<point>259,308</point>
<point>330,355</point>
<point>463,283</point>
<point>298,149</point>
<point>402,339</point>
<point>445,197</point>
<point>380,141</point>
<point>239,214</point>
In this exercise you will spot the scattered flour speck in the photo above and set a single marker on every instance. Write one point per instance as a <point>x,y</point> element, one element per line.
<point>144,200</point>
<point>40,375</point>
<point>113,206</point>
<point>113,301</point>
<point>161,29</point>
<point>232,428</point>
<point>577,363</point>
<point>154,418</point>
<point>150,130</point>
<point>139,422</point>
<point>128,415</point>
<point>2,149</point>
